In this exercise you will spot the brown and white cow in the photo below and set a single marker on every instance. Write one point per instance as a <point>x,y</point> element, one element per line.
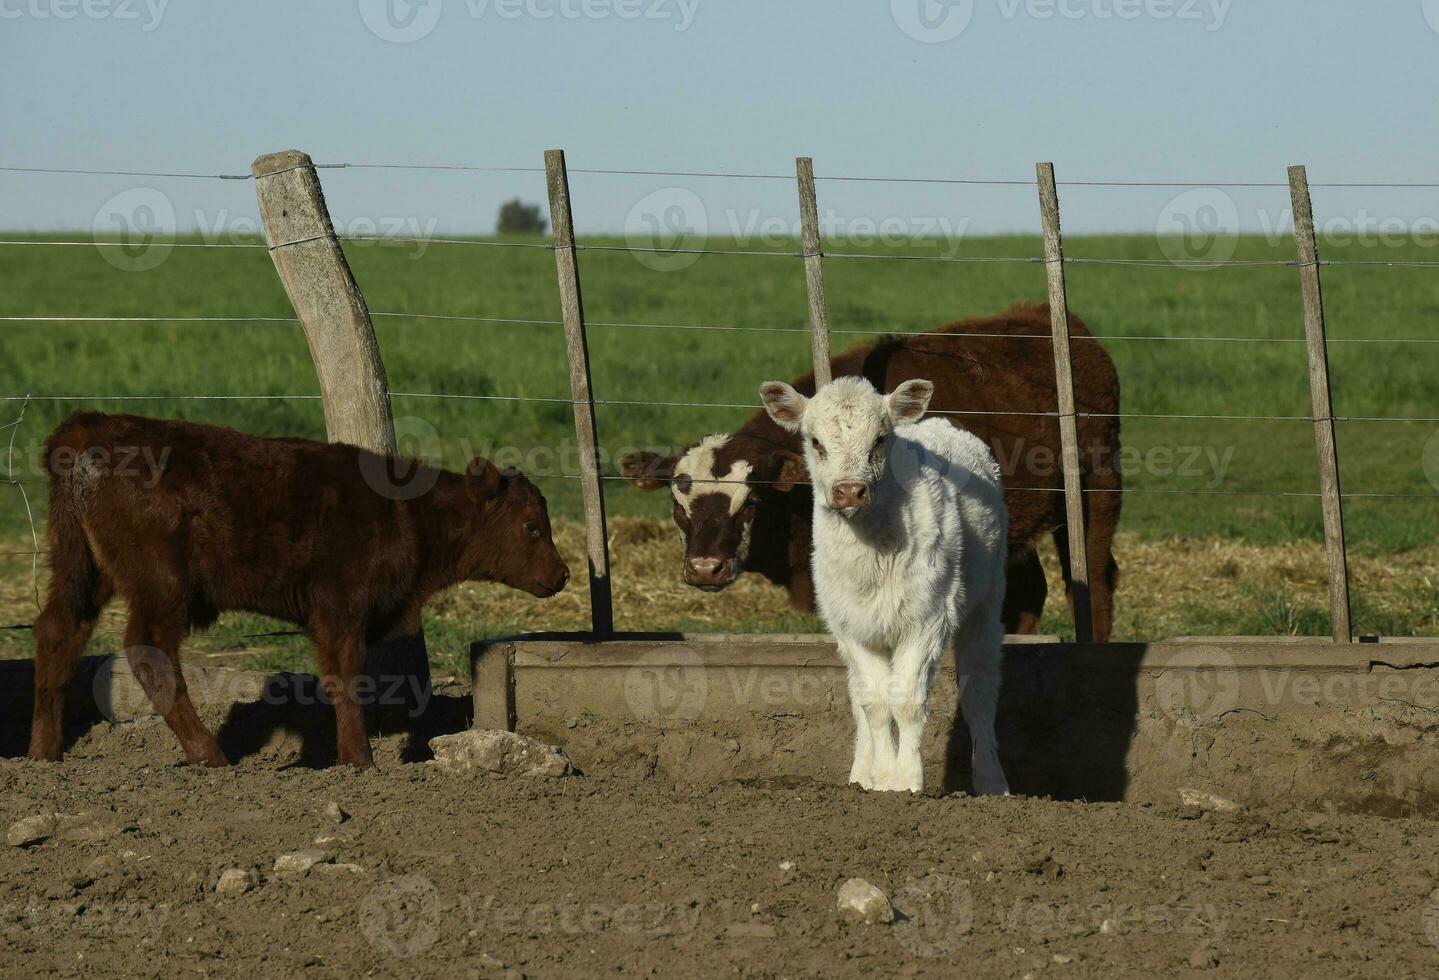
<point>742,504</point>
<point>185,521</point>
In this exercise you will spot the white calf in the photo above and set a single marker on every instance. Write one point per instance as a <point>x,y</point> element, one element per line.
<point>909,551</point>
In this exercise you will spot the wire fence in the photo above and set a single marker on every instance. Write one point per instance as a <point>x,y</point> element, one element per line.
<point>26,399</point>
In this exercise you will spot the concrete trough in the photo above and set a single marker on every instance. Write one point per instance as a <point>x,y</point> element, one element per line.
<point>1303,723</point>
<point>1249,720</point>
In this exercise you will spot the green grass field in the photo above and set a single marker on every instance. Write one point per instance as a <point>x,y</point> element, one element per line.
<point>93,363</point>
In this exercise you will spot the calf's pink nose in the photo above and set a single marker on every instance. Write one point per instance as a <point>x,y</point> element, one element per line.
<point>851,493</point>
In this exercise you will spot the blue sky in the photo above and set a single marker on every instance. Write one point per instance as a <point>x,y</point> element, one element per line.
<point>1201,90</point>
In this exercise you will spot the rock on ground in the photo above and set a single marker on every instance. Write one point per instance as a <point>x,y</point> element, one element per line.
<point>499,752</point>
<point>235,881</point>
<point>32,830</point>
<point>858,899</point>
<point>299,862</point>
<point>86,826</point>
<point>1206,801</point>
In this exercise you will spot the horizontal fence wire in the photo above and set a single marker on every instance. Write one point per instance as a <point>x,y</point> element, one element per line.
<point>740,175</point>
<point>482,242</point>
<point>649,403</point>
<point>152,243</point>
<point>873,332</point>
<point>1156,263</point>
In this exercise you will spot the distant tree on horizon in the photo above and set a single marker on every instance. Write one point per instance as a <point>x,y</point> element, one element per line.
<point>519,218</point>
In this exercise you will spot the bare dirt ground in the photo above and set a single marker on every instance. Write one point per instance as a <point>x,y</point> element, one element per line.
<point>614,874</point>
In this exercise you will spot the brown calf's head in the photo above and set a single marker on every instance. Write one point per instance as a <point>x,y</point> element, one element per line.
<point>717,486</point>
<point>509,540</point>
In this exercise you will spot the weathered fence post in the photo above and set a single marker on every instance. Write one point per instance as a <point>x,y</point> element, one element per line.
<point>326,299</point>
<point>577,349</point>
<point>1064,388</point>
<point>1331,499</point>
<point>813,271</point>
<point>342,342</point>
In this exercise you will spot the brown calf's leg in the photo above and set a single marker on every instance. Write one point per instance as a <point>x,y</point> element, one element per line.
<point>1025,590</point>
<point>61,633</point>
<point>152,647</point>
<point>340,655</point>
<point>1061,545</point>
<point>1102,518</point>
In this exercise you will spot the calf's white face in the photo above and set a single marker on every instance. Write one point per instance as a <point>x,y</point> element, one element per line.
<point>845,429</point>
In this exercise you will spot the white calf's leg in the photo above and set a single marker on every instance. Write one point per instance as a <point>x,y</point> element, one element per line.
<point>868,680</point>
<point>977,664</point>
<point>859,770</point>
<point>911,677</point>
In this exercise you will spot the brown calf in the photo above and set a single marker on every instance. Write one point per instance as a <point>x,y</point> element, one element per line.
<point>185,521</point>
<point>740,503</point>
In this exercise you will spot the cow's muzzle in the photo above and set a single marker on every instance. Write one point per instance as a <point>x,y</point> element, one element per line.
<point>710,574</point>
<point>849,496</point>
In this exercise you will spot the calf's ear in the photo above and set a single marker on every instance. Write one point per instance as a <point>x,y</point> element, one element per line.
<point>910,401</point>
<point>482,479</point>
<point>646,470</point>
<point>789,470</point>
<point>785,405</point>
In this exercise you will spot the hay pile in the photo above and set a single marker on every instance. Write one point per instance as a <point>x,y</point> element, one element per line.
<point>1211,586</point>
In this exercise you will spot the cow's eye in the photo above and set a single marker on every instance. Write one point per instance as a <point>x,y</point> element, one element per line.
<point>879,441</point>
<point>532,530</point>
<point>817,447</point>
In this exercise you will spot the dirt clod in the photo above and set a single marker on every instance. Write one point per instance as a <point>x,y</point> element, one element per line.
<point>858,899</point>
<point>235,881</point>
<point>498,752</point>
<point>298,862</point>
<point>32,829</point>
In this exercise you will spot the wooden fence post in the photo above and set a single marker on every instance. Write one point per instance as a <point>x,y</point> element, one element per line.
<point>337,325</point>
<point>1064,388</point>
<point>813,272</point>
<point>1331,499</point>
<point>577,349</point>
<point>326,299</point>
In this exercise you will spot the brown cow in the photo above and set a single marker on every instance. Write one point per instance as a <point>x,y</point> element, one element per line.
<point>741,506</point>
<point>185,521</point>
